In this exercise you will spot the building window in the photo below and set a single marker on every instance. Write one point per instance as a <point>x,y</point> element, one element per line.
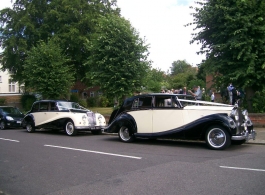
<point>92,94</point>
<point>12,86</point>
<point>0,79</point>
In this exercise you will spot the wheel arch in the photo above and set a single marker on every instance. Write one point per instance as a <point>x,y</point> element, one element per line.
<point>121,120</point>
<point>219,122</point>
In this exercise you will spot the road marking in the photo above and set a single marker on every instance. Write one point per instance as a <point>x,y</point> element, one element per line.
<point>248,169</point>
<point>9,140</point>
<point>91,151</point>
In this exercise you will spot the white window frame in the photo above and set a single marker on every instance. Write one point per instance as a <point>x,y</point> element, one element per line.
<point>11,86</point>
<point>92,94</point>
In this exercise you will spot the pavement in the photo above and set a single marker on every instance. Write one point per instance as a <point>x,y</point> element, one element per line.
<point>260,137</point>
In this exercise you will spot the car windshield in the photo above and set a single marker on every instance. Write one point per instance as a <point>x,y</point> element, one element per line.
<point>10,110</point>
<point>68,105</point>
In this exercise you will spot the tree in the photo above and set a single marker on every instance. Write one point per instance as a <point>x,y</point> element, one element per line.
<point>118,61</point>
<point>232,34</point>
<point>69,22</point>
<point>181,66</point>
<point>182,74</point>
<point>47,71</point>
<point>155,80</point>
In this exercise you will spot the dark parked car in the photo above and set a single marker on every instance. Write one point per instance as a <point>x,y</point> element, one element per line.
<point>10,117</point>
<point>165,116</point>
<point>63,115</point>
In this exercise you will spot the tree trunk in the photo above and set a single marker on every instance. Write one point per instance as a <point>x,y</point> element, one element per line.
<point>249,98</point>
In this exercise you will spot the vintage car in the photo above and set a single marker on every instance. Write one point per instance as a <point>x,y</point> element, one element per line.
<point>59,114</point>
<point>10,117</point>
<point>165,116</point>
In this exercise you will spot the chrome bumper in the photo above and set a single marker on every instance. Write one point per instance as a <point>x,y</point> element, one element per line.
<point>245,136</point>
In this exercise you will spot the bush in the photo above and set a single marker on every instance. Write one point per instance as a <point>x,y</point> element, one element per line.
<point>258,102</point>
<point>103,101</point>
<point>92,102</point>
<point>27,100</point>
<point>74,97</point>
<point>2,101</point>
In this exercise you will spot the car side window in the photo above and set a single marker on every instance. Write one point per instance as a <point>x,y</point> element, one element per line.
<point>165,102</point>
<point>143,102</point>
<point>35,107</point>
<point>44,106</point>
<point>53,106</point>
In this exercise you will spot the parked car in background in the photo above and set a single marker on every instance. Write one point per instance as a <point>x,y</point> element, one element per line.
<point>10,117</point>
<point>165,116</point>
<point>63,115</point>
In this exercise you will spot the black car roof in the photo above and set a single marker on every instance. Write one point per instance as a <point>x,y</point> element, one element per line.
<point>52,101</point>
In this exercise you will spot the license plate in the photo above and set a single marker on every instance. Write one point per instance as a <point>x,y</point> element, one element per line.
<point>19,122</point>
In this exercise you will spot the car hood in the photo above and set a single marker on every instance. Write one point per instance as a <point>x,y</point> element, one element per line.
<point>15,115</point>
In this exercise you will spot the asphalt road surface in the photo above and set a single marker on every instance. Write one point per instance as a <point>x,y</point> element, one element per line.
<point>50,163</point>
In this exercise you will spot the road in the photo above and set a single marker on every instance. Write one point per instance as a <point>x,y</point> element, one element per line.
<point>52,163</point>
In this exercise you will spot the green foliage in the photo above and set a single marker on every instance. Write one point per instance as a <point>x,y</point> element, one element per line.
<point>258,102</point>
<point>91,102</point>
<point>27,100</point>
<point>74,97</point>
<point>2,101</point>
<point>47,71</point>
<point>181,66</point>
<point>99,101</point>
<point>155,80</point>
<point>232,34</point>
<point>104,101</point>
<point>184,75</point>
<point>69,22</point>
<point>82,102</point>
<point>118,60</point>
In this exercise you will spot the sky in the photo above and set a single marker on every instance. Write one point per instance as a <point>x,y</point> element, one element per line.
<point>161,24</point>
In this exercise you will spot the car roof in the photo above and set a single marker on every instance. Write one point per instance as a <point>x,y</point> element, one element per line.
<point>52,101</point>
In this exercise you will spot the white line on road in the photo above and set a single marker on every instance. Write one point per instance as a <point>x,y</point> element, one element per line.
<point>9,140</point>
<point>248,169</point>
<point>91,151</point>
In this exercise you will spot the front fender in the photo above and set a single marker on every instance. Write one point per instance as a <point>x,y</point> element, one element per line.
<point>122,119</point>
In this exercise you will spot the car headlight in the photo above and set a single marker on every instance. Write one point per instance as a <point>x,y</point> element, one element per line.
<point>9,118</point>
<point>100,118</point>
<point>245,114</point>
<point>84,118</point>
<point>232,123</point>
<point>234,113</point>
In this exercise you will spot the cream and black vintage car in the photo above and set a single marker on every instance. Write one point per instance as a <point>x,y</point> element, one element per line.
<point>167,116</point>
<point>58,115</point>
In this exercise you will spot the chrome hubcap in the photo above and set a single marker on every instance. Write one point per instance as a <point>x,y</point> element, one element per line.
<point>29,127</point>
<point>217,137</point>
<point>2,125</point>
<point>124,133</point>
<point>69,128</point>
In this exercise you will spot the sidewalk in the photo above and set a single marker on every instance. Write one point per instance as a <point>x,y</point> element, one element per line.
<point>260,137</point>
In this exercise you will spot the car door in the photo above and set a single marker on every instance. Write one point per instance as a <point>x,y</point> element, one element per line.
<point>167,115</point>
<point>143,114</point>
<point>40,110</point>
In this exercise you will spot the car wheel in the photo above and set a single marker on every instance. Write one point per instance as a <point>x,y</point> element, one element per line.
<point>217,138</point>
<point>96,132</point>
<point>238,142</point>
<point>70,128</point>
<point>30,127</point>
<point>125,135</point>
<point>2,125</point>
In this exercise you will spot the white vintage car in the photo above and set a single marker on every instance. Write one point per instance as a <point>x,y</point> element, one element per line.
<point>165,116</point>
<point>58,115</point>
